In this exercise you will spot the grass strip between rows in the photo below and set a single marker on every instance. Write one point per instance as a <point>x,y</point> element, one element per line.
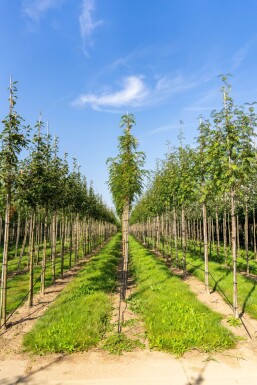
<point>221,279</point>
<point>18,284</point>
<point>175,320</point>
<point>79,317</point>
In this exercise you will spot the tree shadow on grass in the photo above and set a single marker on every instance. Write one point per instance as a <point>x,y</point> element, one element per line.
<point>217,282</point>
<point>247,298</point>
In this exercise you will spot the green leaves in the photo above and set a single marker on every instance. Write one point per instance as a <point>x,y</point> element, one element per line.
<point>125,171</point>
<point>225,158</point>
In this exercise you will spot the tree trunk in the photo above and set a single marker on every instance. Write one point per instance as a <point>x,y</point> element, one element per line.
<point>42,288</point>
<point>18,235</point>
<point>71,241</point>
<point>225,237</point>
<point>175,235</point>
<point>62,244</point>
<point>1,229</point>
<point>125,234</point>
<point>205,241</point>
<point>183,238</point>
<point>5,262</point>
<point>217,231</point>
<point>237,234</point>
<point>254,235</point>
<point>53,247</point>
<point>23,242</point>
<point>247,240</point>
<point>31,260</point>
<point>233,241</point>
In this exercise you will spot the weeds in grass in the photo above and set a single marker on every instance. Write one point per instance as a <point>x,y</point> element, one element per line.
<point>232,321</point>
<point>118,343</point>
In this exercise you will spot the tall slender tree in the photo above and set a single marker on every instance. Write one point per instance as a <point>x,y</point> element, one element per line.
<point>13,140</point>
<point>126,182</point>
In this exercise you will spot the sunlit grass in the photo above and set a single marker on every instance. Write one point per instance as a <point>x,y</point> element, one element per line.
<point>221,277</point>
<point>79,317</point>
<point>175,320</point>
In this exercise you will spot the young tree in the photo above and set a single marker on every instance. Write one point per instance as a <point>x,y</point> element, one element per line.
<point>234,137</point>
<point>14,139</point>
<point>126,182</point>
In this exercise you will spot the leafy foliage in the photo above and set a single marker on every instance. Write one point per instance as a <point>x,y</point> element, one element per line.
<point>125,171</point>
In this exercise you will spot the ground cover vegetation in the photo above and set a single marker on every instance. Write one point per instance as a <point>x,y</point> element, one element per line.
<point>80,316</point>
<point>175,320</point>
<point>50,215</point>
<point>202,200</point>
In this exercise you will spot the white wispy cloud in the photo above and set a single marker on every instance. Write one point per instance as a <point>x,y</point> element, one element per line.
<point>135,92</point>
<point>36,9</point>
<point>161,129</point>
<point>87,23</point>
<point>242,53</point>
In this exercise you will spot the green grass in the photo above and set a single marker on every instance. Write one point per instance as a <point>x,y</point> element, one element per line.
<point>175,320</point>
<point>221,278</point>
<point>118,343</point>
<point>241,258</point>
<point>80,316</point>
<point>18,284</point>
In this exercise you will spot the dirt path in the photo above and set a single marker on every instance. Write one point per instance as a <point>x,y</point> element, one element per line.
<point>131,323</point>
<point>235,366</point>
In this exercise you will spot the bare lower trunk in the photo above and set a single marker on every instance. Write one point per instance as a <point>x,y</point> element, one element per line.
<point>125,255</point>
<point>233,243</point>
<point>71,241</point>
<point>1,229</point>
<point>5,262</point>
<point>254,235</point>
<point>217,231</point>
<point>183,238</point>
<point>125,231</point>
<point>23,242</point>
<point>18,235</point>
<point>205,241</point>
<point>31,261</point>
<point>53,247</point>
<point>225,237</point>
<point>42,289</point>
<point>246,240</point>
<point>175,235</point>
<point>62,245</point>
<point>237,235</point>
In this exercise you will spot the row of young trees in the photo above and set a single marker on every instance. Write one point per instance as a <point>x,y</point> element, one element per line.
<point>43,204</point>
<point>206,192</point>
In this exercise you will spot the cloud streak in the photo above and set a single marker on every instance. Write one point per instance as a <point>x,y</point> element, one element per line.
<point>135,92</point>
<point>87,24</point>
<point>242,53</point>
<point>162,129</point>
<point>36,9</point>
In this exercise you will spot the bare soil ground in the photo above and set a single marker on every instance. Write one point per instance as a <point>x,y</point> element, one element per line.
<point>235,366</point>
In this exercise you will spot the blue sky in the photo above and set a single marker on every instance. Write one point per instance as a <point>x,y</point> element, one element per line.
<point>84,63</point>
